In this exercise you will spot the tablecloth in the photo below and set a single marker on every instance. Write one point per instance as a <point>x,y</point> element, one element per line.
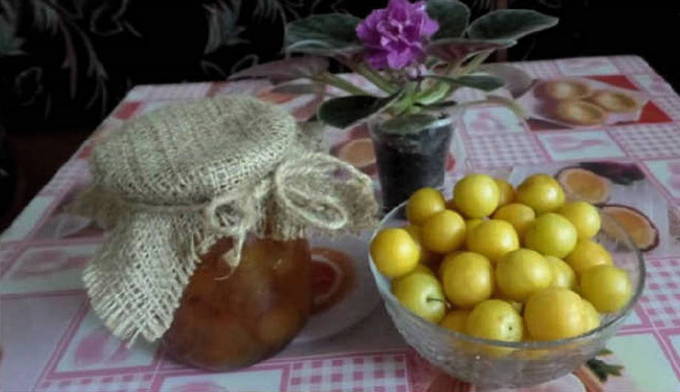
<point>51,340</point>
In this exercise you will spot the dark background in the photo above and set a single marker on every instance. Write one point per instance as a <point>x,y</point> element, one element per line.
<point>64,64</point>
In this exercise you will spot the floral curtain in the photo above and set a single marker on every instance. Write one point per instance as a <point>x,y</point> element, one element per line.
<point>64,62</point>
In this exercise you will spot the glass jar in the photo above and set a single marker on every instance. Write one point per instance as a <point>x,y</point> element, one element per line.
<point>227,321</point>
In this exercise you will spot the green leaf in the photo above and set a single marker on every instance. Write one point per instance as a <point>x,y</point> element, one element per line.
<point>603,370</point>
<point>508,103</point>
<point>437,105</point>
<point>412,123</point>
<point>456,50</point>
<point>323,34</point>
<point>345,112</point>
<point>516,80</point>
<point>434,94</point>
<point>284,70</point>
<point>452,15</point>
<point>479,82</point>
<point>509,24</point>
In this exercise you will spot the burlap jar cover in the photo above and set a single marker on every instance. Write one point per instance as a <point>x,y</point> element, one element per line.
<point>169,184</point>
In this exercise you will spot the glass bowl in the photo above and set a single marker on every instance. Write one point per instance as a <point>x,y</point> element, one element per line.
<point>495,364</point>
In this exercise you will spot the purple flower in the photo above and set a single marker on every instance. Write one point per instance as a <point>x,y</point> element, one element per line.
<point>394,36</point>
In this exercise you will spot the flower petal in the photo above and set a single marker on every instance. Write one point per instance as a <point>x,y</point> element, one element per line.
<point>394,36</point>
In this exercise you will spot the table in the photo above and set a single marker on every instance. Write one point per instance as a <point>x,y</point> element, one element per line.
<point>51,341</point>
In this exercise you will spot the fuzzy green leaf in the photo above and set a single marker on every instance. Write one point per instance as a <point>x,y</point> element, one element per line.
<point>452,15</point>
<point>323,34</point>
<point>479,82</point>
<point>603,370</point>
<point>345,112</point>
<point>438,105</point>
<point>284,70</point>
<point>456,50</point>
<point>509,24</point>
<point>508,103</point>
<point>517,81</point>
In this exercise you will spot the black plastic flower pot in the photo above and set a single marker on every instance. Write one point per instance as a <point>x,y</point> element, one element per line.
<point>410,157</point>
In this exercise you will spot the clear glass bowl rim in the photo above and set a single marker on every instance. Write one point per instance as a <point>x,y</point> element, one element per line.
<point>533,345</point>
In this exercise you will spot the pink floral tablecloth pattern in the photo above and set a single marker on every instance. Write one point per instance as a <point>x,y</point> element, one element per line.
<point>51,340</point>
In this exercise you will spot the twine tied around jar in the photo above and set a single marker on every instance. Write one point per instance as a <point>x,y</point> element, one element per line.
<point>321,209</point>
<point>170,184</point>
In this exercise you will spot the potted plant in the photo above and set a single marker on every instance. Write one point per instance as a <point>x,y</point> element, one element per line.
<point>417,55</point>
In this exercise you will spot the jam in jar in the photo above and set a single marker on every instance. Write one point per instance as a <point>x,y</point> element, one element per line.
<point>228,320</point>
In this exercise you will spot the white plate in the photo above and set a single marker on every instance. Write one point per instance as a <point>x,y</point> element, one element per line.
<point>358,303</point>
